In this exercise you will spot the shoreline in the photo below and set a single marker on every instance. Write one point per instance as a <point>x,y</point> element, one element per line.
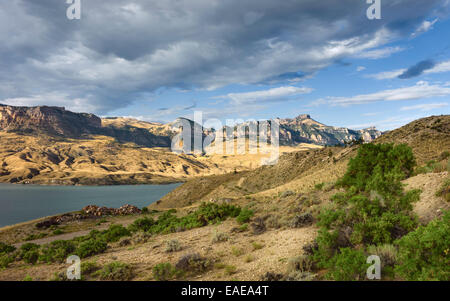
<point>168,182</point>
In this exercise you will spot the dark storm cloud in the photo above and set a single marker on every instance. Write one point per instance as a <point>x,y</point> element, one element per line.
<point>122,50</point>
<point>417,69</point>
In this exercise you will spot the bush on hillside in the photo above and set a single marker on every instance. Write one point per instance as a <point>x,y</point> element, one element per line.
<point>57,251</point>
<point>351,265</point>
<point>424,254</point>
<point>168,222</point>
<point>91,247</point>
<point>244,216</point>
<point>379,167</point>
<point>374,209</point>
<point>5,248</point>
<point>116,271</point>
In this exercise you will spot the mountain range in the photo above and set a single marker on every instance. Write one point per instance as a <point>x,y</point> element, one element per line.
<point>58,122</point>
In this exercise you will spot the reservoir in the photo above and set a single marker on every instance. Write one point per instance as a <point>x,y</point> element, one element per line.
<point>20,203</point>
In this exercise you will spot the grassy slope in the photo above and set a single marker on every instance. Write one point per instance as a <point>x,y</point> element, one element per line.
<point>300,171</point>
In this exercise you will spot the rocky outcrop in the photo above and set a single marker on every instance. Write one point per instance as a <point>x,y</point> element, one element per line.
<point>304,129</point>
<point>57,121</point>
<point>88,212</point>
<point>49,120</point>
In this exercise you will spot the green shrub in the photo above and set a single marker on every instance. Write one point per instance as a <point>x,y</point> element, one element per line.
<point>145,210</point>
<point>244,216</point>
<point>388,255</point>
<point>115,232</point>
<point>257,246</point>
<point>89,267</point>
<point>379,167</point>
<point>219,237</point>
<point>299,264</point>
<point>29,252</point>
<point>31,256</point>
<point>58,232</point>
<point>57,251</point>
<point>444,190</point>
<point>5,260</point>
<point>373,210</point>
<point>5,248</point>
<point>173,245</point>
<point>168,223</point>
<point>35,236</point>
<point>424,254</point>
<point>27,278</point>
<point>237,251</point>
<point>165,271</point>
<point>243,227</point>
<point>193,263</point>
<point>116,271</point>
<point>141,224</point>
<point>28,247</point>
<point>230,269</point>
<point>348,265</point>
<point>91,247</point>
<point>432,167</point>
<point>319,186</point>
<point>444,155</point>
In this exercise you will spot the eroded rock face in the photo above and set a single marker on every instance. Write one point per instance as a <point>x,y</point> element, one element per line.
<point>304,129</point>
<point>57,121</point>
<point>51,120</point>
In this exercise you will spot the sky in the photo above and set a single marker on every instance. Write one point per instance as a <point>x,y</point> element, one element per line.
<point>253,59</point>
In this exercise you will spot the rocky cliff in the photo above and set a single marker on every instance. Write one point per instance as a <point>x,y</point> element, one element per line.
<point>304,129</point>
<point>49,120</point>
<point>57,121</point>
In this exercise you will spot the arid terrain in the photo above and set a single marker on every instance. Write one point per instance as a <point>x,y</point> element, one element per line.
<point>50,145</point>
<point>285,200</point>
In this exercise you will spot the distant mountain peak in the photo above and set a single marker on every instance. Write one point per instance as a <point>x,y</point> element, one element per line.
<point>303,116</point>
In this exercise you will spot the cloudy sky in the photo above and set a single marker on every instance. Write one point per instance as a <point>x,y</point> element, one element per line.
<point>158,60</point>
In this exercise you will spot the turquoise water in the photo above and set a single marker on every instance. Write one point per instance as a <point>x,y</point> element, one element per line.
<point>19,203</point>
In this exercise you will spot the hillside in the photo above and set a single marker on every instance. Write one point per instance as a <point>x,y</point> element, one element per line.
<point>300,171</point>
<point>272,235</point>
<point>50,145</point>
<point>428,137</point>
<point>305,129</point>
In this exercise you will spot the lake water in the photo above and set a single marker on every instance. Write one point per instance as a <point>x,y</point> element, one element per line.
<point>19,203</point>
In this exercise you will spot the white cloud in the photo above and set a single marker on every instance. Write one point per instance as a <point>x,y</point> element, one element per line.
<point>387,123</point>
<point>370,114</point>
<point>418,91</point>
<point>379,53</point>
<point>275,94</point>
<point>438,68</point>
<point>387,74</point>
<point>201,44</point>
<point>53,99</point>
<point>425,107</point>
<point>360,68</point>
<point>424,27</point>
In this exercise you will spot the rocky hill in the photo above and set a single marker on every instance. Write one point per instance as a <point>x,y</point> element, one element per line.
<point>429,138</point>
<point>304,129</point>
<point>49,120</point>
<point>58,122</point>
